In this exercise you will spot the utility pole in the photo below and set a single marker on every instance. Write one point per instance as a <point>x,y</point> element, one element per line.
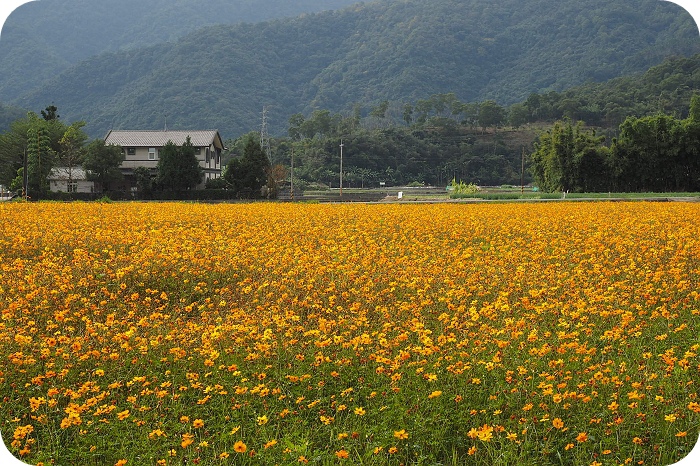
<point>522,170</point>
<point>25,177</point>
<point>341,168</point>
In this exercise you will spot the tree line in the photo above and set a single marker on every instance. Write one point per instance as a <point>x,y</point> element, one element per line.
<point>658,153</point>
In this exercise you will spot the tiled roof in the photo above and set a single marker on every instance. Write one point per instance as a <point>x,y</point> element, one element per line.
<point>61,173</point>
<point>160,138</point>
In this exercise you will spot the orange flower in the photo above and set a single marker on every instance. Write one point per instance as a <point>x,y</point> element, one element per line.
<point>557,423</point>
<point>197,423</point>
<point>239,447</point>
<point>342,454</point>
<point>187,440</point>
<point>582,437</point>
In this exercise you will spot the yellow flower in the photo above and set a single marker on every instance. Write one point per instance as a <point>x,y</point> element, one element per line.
<point>262,420</point>
<point>359,411</point>
<point>123,415</point>
<point>485,433</point>
<point>401,434</point>
<point>670,417</point>
<point>197,423</point>
<point>557,423</point>
<point>435,394</point>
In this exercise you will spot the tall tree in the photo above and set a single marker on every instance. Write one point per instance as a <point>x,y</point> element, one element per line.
<point>491,114</point>
<point>178,167</point>
<point>71,153</point>
<point>249,173</point>
<point>101,163</point>
<point>50,113</point>
<point>646,153</point>
<point>568,158</point>
<point>40,157</point>
<point>14,143</point>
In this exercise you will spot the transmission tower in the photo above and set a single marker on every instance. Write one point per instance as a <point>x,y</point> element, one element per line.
<point>264,136</point>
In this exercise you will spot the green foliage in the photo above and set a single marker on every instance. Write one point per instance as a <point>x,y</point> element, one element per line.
<point>40,140</point>
<point>71,154</point>
<point>143,181</point>
<point>40,157</point>
<point>569,158</point>
<point>178,167</point>
<point>248,174</point>
<point>102,162</point>
<point>657,153</point>
<point>44,39</point>
<point>461,188</point>
<point>652,154</point>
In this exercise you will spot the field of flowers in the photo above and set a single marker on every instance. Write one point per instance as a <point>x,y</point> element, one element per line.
<point>529,334</point>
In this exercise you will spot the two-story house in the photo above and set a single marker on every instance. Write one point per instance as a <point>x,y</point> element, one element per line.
<point>141,149</point>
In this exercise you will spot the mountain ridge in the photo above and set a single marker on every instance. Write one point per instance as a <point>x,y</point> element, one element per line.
<point>222,76</point>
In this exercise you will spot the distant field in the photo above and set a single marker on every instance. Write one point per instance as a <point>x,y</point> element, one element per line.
<point>377,334</point>
<point>493,193</point>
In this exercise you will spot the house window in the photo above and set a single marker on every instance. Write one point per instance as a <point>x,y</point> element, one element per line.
<point>208,158</point>
<point>130,151</point>
<point>152,153</point>
<point>197,150</point>
<point>72,186</point>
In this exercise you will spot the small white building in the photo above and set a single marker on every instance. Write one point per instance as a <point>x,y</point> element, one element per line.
<point>70,180</point>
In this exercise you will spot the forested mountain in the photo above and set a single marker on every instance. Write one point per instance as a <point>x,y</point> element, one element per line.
<point>391,50</point>
<point>41,39</point>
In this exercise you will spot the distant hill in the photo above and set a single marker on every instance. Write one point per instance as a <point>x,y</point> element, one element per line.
<point>41,39</point>
<point>396,50</point>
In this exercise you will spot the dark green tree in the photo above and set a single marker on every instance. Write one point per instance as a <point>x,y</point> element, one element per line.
<point>14,143</point>
<point>178,167</point>
<point>491,114</point>
<point>101,163</point>
<point>143,182</point>
<point>248,174</point>
<point>71,154</point>
<point>569,158</point>
<point>647,154</point>
<point>50,113</point>
<point>40,157</point>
